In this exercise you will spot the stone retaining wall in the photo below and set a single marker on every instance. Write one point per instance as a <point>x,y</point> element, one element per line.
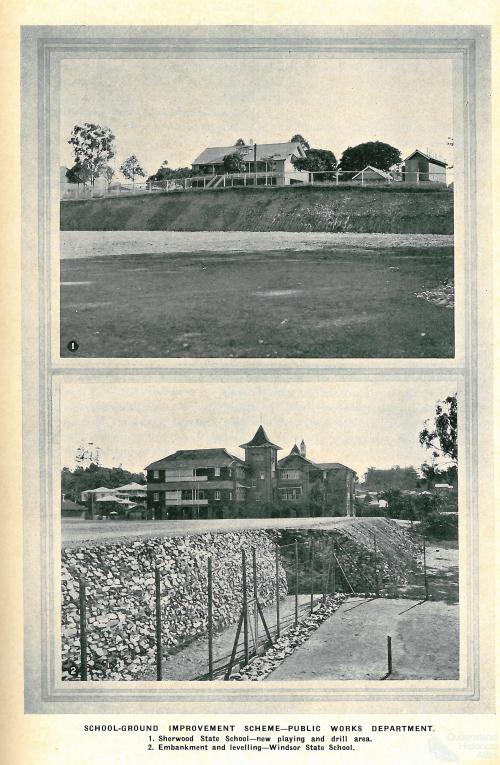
<point>121,595</point>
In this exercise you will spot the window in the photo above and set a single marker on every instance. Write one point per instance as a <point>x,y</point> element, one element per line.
<point>156,475</point>
<point>231,496</point>
<point>216,494</point>
<point>262,476</point>
<point>217,471</point>
<point>156,496</point>
<point>287,475</point>
<point>291,493</point>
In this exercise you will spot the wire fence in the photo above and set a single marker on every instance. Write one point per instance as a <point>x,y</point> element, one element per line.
<point>370,177</point>
<point>315,571</point>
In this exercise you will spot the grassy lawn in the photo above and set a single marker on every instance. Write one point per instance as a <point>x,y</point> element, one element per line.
<point>330,303</point>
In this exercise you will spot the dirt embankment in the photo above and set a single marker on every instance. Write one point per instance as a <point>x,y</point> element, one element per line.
<point>417,210</point>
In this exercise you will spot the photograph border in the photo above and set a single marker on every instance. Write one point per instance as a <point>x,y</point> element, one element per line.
<point>42,49</point>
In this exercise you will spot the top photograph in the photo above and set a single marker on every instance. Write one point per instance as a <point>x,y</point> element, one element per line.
<point>257,208</point>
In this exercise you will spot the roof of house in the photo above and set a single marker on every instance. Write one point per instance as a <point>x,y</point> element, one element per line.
<point>216,154</point>
<point>431,159</point>
<point>260,439</point>
<point>333,466</point>
<point>183,457</point>
<point>99,490</point>
<point>293,456</point>
<point>383,173</point>
<point>131,487</point>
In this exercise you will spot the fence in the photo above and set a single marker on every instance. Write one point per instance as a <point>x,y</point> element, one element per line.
<point>315,570</point>
<point>365,177</point>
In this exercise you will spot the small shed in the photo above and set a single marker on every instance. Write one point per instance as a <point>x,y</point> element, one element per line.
<point>371,174</point>
<point>421,168</point>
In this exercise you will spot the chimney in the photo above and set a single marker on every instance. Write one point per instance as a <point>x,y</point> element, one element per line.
<point>250,142</point>
<point>303,448</point>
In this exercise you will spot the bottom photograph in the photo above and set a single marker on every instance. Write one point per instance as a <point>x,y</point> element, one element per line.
<point>259,531</point>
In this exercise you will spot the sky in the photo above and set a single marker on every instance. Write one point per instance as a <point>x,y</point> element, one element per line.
<point>356,421</point>
<point>173,108</point>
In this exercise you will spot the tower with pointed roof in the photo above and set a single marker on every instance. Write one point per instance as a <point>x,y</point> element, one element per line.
<point>261,456</point>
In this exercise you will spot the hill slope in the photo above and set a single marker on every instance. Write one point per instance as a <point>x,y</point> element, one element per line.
<point>309,208</point>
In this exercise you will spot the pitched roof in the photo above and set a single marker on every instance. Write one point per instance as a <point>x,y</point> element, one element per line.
<point>292,457</point>
<point>295,450</point>
<point>183,457</point>
<point>333,466</point>
<point>383,173</point>
<point>431,159</point>
<point>131,487</point>
<point>216,154</point>
<point>260,439</point>
<point>99,490</point>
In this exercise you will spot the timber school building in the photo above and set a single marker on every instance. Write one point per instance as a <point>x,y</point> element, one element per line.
<point>213,483</point>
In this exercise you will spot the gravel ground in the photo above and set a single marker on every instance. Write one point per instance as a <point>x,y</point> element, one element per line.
<point>85,244</point>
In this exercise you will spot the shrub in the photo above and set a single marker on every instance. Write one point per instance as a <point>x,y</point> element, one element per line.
<point>440,526</point>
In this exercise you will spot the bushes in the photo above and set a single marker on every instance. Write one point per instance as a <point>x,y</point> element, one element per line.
<point>440,526</point>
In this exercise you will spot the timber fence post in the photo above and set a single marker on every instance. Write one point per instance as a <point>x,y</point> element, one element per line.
<point>296,582</point>
<point>255,597</point>
<point>158,625</point>
<point>389,655</point>
<point>312,575</point>
<point>426,583</point>
<point>245,605</point>
<point>82,597</point>
<point>375,557</point>
<point>210,623</point>
<point>277,557</point>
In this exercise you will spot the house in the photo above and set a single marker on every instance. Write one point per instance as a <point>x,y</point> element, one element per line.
<point>213,483</point>
<point>131,491</point>
<point>371,174</point>
<point>195,483</point>
<point>265,163</point>
<point>420,168</point>
<point>97,494</point>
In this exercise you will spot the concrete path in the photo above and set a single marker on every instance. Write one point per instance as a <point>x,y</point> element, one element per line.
<point>352,644</point>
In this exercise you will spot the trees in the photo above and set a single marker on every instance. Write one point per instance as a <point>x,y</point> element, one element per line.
<point>78,174</point>
<point>131,168</point>
<point>233,163</point>
<point>297,138</point>
<point>394,478</point>
<point>73,482</point>
<point>317,160</point>
<point>92,147</point>
<point>165,173</point>
<point>374,153</point>
<point>440,435</point>
<point>240,142</point>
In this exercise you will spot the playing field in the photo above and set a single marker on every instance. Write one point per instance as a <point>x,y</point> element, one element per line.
<point>332,299</point>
